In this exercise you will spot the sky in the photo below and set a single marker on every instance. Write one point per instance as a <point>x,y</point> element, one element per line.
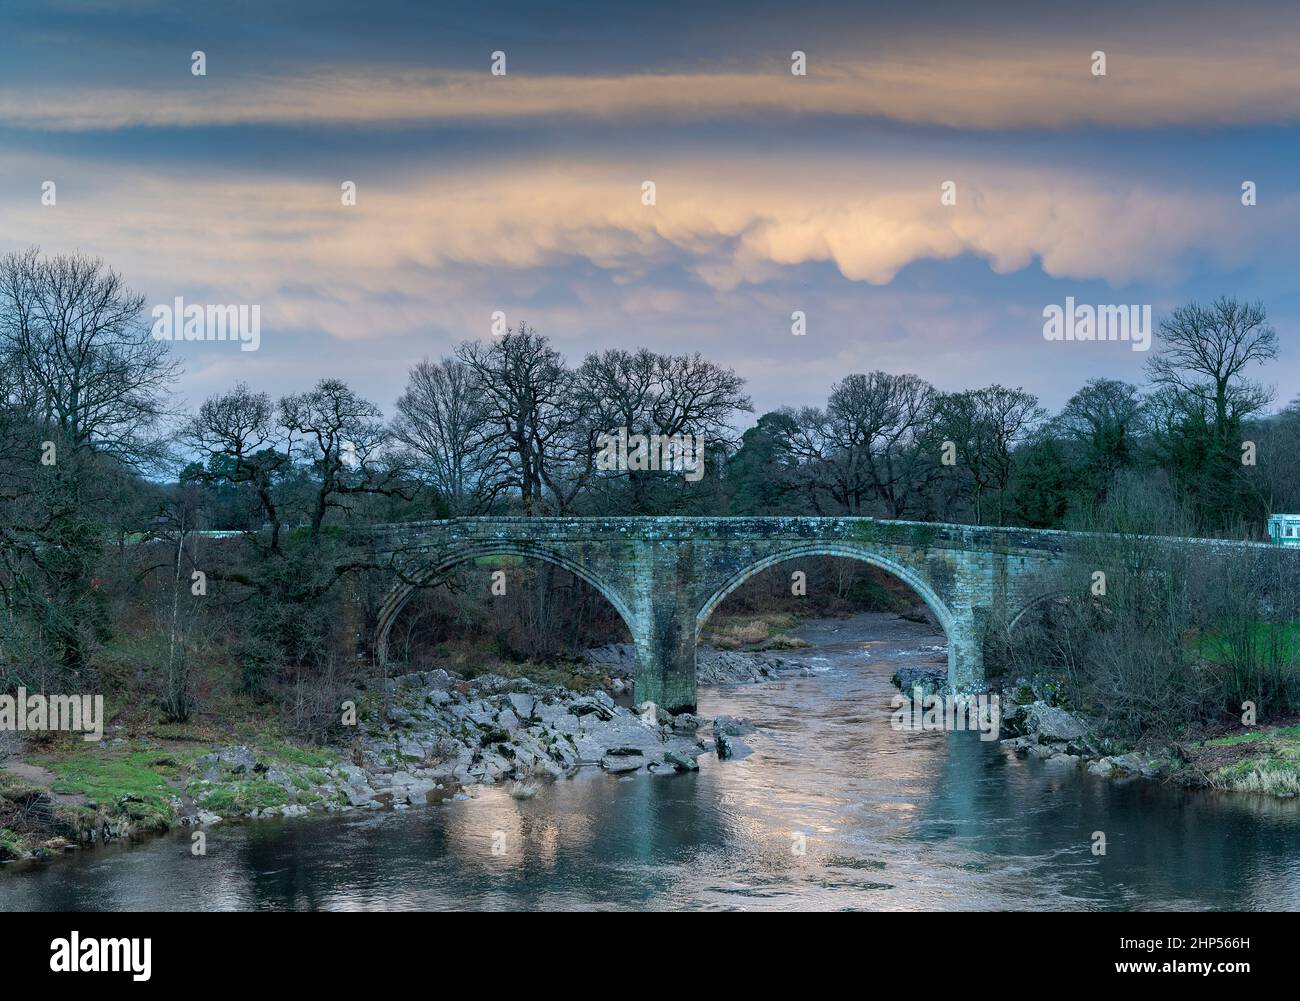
<point>774,193</point>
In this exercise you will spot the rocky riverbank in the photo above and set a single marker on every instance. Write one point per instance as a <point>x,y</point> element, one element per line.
<point>434,735</point>
<point>425,737</point>
<point>1259,759</point>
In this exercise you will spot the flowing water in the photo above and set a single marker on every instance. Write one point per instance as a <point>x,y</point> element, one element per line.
<point>886,820</point>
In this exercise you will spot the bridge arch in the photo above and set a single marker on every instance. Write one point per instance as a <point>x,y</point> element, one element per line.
<point>402,592</point>
<point>908,577</point>
<point>1033,604</point>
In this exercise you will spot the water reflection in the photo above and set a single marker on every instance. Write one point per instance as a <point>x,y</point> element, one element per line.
<point>885,820</point>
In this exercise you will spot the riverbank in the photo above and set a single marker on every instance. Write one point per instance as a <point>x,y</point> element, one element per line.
<point>421,738</point>
<point>1261,759</point>
<point>883,821</point>
<point>431,736</point>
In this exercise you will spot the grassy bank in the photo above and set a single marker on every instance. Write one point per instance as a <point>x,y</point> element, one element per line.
<point>767,630</point>
<point>60,793</point>
<point>1266,760</point>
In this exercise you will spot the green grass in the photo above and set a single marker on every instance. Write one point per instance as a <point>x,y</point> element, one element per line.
<point>1217,648</point>
<point>134,781</point>
<point>1274,776</point>
<point>238,798</point>
<point>1272,764</point>
<point>301,757</point>
<point>1284,733</point>
<point>12,845</point>
<point>11,786</point>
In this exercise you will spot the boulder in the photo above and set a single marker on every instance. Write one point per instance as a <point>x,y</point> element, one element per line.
<point>278,777</point>
<point>522,705</point>
<point>352,775</point>
<point>236,760</point>
<point>1137,764</point>
<point>482,716</point>
<point>359,795</point>
<point>418,794</point>
<point>1053,724</point>
<point>730,726</point>
<point>564,753</point>
<point>411,750</point>
<point>686,723</point>
<point>1020,745</point>
<point>591,706</point>
<point>619,763</point>
<point>1014,720</point>
<point>731,747</point>
<point>928,679</point>
<point>653,714</point>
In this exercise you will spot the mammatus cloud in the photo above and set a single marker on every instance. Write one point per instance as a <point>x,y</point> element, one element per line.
<point>480,240</point>
<point>1021,83</point>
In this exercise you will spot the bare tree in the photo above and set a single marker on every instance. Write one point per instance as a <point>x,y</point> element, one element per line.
<point>650,393</point>
<point>1203,400</point>
<point>344,438</point>
<point>83,360</point>
<point>870,448</point>
<point>805,435</point>
<point>85,389</point>
<point>987,425</point>
<point>442,419</point>
<point>1203,352</point>
<point>1104,420</point>
<point>530,413</point>
<point>897,421</point>
<point>238,435</point>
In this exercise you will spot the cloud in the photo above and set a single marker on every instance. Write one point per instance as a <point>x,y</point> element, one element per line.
<point>493,236</point>
<point>717,265</point>
<point>1018,83</point>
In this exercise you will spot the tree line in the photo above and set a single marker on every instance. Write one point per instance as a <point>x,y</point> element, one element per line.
<point>104,479</point>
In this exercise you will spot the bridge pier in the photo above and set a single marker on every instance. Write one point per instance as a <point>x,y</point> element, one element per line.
<point>966,649</point>
<point>663,578</point>
<point>665,668</point>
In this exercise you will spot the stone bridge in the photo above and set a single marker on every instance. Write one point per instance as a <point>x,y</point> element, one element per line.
<point>666,575</point>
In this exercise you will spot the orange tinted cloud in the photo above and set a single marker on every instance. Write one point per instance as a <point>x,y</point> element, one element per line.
<point>1024,83</point>
<point>458,240</point>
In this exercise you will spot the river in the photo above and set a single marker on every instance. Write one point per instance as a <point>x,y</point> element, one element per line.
<point>885,820</point>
